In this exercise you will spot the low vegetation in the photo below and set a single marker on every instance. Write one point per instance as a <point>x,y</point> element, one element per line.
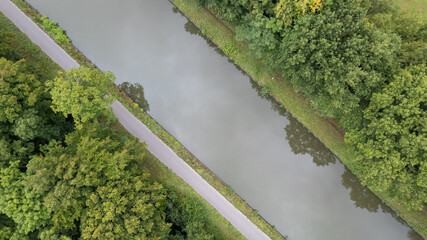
<point>54,30</point>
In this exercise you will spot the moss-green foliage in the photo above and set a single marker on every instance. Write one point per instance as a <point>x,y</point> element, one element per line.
<point>54,30</point>
<point>95,180</point>
<point>409,25</point>
<point>231,51</point>
<point>394,139</point>
<point>7,227</point>
<point>18,89</point>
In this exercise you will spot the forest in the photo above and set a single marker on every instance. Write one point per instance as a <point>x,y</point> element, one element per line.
<point>361,62</point>
<point>68,170</point>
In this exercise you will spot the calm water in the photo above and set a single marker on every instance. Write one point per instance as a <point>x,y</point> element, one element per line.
<point>217,112</point>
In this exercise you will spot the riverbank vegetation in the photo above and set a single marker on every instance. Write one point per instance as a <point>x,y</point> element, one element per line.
<point>359,62</point>
<point>69,171</point>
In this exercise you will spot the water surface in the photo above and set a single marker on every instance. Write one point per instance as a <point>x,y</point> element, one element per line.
<point>218,113</point>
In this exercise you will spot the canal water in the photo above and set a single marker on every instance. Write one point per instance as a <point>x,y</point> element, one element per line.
<point>218,113</point>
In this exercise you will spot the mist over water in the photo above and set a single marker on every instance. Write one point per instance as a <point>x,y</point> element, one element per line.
<point>219,114</point>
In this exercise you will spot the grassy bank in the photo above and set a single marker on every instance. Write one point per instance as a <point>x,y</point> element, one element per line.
<point>161,172</point>
<point>294,102</point>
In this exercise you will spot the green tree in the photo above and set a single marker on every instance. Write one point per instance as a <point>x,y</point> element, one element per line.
<point>262,35</point>
<point>337,60</point>
<point>14,150</point>
<point>20,203</point>
<point>409,25</point>
<point>18,89</point>
<point>7,39</point>
<point>7,227</point>
<point>289,10</point>
<point>393,139</point>
<point>229,10</point>
<point>83,93</point>
<point>26,117</point>
<point>94,188</point>
<point>187,218</point>
<point>54,30</point>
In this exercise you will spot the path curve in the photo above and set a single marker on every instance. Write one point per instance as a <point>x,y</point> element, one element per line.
<point>138,129</point>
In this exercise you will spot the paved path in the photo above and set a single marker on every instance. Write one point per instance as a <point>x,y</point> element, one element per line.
<point>138,129</point>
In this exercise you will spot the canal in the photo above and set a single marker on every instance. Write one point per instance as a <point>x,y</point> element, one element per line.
<point>219,114</point>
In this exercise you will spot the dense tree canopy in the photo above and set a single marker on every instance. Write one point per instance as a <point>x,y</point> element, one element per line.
<point>95,181</point>
<point>25,115</point>
<point>333,57</point>
<point>337,60</point>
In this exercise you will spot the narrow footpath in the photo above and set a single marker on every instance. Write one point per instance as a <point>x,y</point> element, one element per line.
<point>138,129</point>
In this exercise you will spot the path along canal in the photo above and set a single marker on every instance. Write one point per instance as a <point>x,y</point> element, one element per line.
<point>218,113</point>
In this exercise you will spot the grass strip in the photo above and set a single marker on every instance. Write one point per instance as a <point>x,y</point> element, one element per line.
<point>216,219</point>
<point>294,102</point>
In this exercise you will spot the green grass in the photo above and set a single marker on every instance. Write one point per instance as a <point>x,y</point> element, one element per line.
<point>294,102</point>
<point>35,57</point>
<point>418,5</point>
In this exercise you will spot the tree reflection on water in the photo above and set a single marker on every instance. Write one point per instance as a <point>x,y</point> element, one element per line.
<point>136,92</point>
<point>303,142</point>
